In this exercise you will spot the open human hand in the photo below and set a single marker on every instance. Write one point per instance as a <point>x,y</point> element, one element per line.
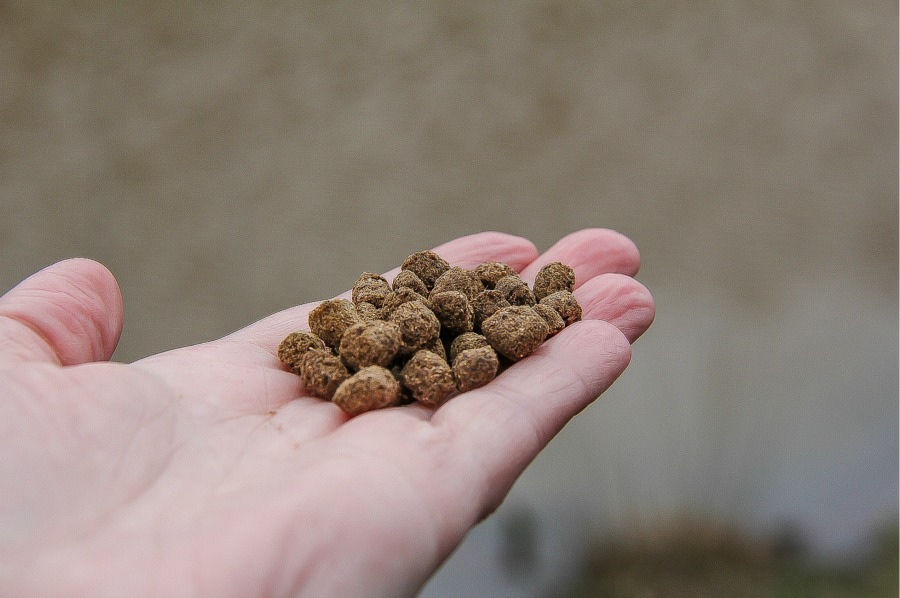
<point>206,471</point>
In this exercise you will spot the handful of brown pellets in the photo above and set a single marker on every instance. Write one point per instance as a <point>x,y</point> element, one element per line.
<point>435,331</point>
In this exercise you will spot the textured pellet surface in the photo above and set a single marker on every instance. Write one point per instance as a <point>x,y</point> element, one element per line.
<point>435,330</point>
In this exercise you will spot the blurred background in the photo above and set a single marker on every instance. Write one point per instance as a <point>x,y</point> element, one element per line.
<point>229,159</point>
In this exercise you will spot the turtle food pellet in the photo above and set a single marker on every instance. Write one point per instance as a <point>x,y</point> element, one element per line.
<point>390,344</point>
<point>429,378</point>
<point>475,367</point>
<point>553,277</point>
<point>331,318</point>
<point>321,372</point>
<point>371,288</point>
<point>453,310</point>
<point>427,265</point>
<point>555,322</point>
<point>467,340</point>
<point>372,387</point>
<point>515,290</point>
<point>486,303</point>
<point>458,279</point>
<point>295,345</point>
<point>398,297</point>
<point>565,304</point>
<point>491,272</point>
<point>370,343</point>
<point>515,331</point>
<point>418,326</point>
<point>406,279</point>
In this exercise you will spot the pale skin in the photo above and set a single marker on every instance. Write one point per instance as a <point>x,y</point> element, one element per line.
<point>206,471</point>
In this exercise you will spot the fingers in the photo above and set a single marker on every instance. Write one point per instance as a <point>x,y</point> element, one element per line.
<point>604,262</point>
<point>68,313</point>
<point>619,300</point>
<point>590,252</point>
<point>498,429</point>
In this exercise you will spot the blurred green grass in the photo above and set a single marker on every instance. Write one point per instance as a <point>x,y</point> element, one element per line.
<point>696,561</point>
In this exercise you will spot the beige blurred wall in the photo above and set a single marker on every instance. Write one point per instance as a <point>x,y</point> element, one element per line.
<point>229,159</point>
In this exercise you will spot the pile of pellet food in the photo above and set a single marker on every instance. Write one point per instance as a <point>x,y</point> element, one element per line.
<point>432,332</point>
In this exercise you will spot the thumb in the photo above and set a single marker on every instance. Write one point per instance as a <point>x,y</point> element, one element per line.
<point>68,313</point>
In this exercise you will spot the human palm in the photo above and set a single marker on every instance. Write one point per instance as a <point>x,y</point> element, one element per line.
<point>205,471</point>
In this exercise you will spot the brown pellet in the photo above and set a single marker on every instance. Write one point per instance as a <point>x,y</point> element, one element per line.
<point>295,345</point>
<point>453,310</point>
<point>408,279</point>
<point>372,387</point>
<point>468,340</point>
<point>370,343</point>
<point>515,290</point>
<point>475,367</point>
<point>458,279</point>
<point>398,297</point>
<point>491,272</point>
<point>371,288</point>
<point>553,277</point>
<point>565,305</point>
<point>331,318</point>
<point>486,303</point>
<point>321,372</point>
<point>418,326</point>
<point>515,332</point>
<point>428,378</point>
<point>427,265</point>
<point>555,323</point>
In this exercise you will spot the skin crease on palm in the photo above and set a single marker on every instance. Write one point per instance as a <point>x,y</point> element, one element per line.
<point>205,471</point>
